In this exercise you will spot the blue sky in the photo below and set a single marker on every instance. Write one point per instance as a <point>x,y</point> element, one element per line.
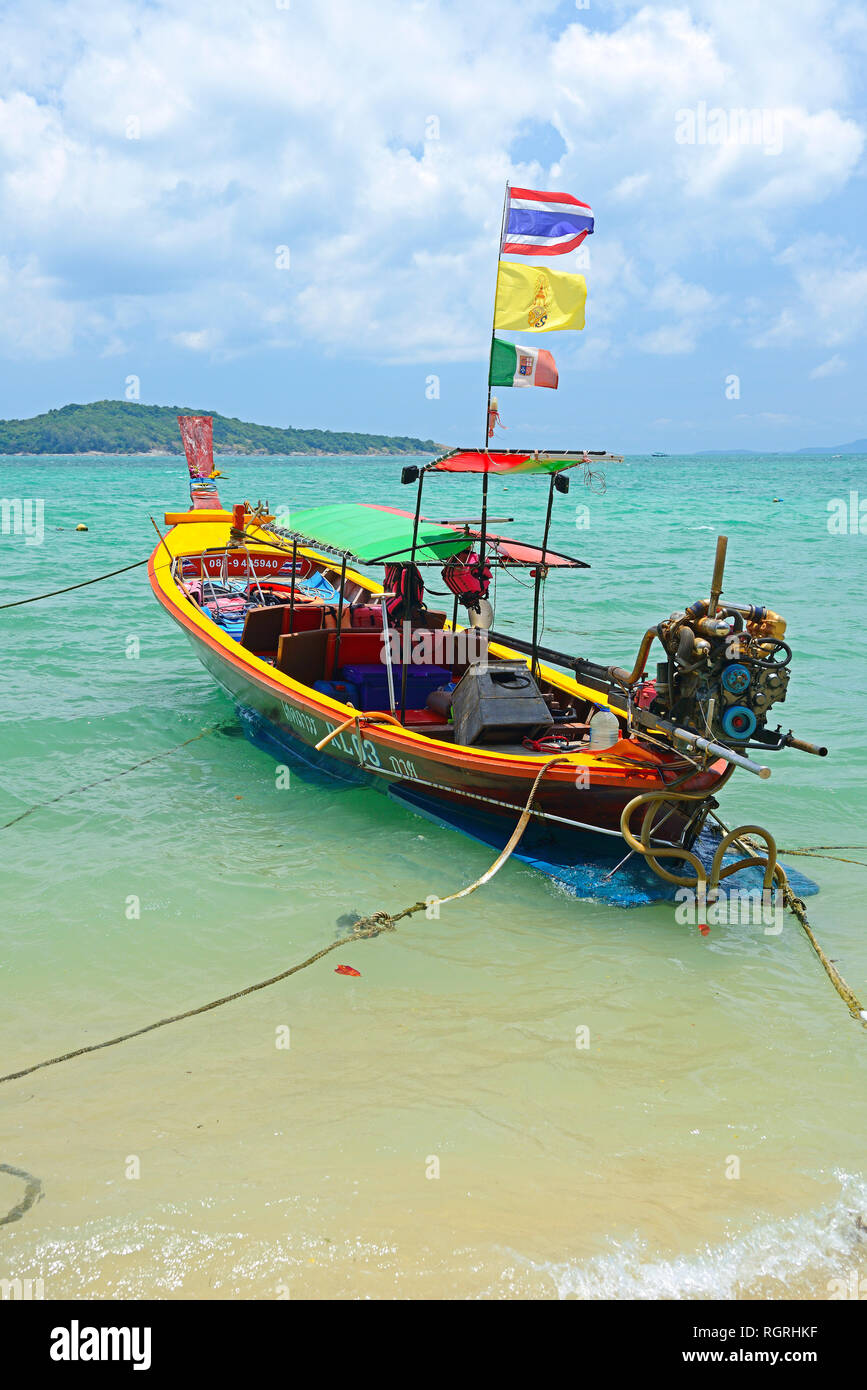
<point>154,157</point>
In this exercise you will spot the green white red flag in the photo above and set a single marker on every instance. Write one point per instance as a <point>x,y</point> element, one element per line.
<point>515,365</point>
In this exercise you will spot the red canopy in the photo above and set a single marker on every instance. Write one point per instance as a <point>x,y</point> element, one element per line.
<point>508,461</point>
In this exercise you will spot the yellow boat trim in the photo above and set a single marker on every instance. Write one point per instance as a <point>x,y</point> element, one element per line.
<point>197,535</point>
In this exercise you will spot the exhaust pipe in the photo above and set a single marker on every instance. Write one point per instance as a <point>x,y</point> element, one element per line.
<point>720,751</point>
<point>624,677</point>
<point>716,584</point>
<point>791,742</point>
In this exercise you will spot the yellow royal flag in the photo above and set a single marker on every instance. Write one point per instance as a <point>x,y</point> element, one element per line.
<point>537,299</point>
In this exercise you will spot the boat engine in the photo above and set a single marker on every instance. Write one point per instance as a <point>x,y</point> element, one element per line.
<point>722,673</point>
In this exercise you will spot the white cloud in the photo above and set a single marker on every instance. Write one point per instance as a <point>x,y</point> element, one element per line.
<point>831,296</point>
<point>669,340</point>
<point>691,309</point>
<point>833,367</point>
<point>630,187</point>
<point>197,340</point>
<point>254,127</point>
<point>34,323</point>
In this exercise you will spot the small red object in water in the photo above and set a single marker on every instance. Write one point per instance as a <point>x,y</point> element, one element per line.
<point>346,970</point>
<point>704,929</point>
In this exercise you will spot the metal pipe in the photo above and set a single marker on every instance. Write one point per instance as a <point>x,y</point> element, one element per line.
<point>753,611</point>
<point>540,579</point>
<point>407,602</point>
<point>389,674</point>
<point>718,568</point>
<point>623,677</point>
<point>720,751</point>
<point>685,646</point>
<point>484,523</point>
<point>339,617</point>
<point>292,590</point>
<point>791,742</point>
<point>712,627</point>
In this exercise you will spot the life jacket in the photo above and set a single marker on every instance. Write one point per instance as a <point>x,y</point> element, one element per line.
<point>366,615</point>
<point>467,579</point>
<point>407,585</point>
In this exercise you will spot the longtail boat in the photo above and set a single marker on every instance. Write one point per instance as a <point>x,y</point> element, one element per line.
<point>325,662</point>
<point>456,720</point>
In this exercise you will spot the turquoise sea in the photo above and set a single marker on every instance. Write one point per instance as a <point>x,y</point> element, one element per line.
<point>435,1127</point>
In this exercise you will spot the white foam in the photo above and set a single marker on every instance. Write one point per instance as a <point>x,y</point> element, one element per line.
<point>776,1259</point>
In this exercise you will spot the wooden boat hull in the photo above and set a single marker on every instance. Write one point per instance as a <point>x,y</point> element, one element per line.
<point>586,794</point>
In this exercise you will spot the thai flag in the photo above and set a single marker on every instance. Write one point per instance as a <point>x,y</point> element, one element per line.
<point>544,224</point>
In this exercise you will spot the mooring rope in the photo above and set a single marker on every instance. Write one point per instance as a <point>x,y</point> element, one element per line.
<point>83,585</point>
<point>840,858</point>
<point>798,908</point>
<point>113,776</point>
<point>33,1193</point>
<point>365,927</point>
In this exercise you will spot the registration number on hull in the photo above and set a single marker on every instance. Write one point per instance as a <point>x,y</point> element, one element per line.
<point>360,750</point>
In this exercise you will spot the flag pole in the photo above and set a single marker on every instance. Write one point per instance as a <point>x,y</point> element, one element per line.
<point>490,366</point>
<point>494,314</point>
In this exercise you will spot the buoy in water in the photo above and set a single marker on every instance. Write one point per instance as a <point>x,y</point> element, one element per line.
<point>81,526</point>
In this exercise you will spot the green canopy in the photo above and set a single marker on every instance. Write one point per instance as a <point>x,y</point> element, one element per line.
<point>371,533</point>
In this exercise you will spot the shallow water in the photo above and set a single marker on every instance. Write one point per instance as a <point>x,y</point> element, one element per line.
<point>564,1170</point>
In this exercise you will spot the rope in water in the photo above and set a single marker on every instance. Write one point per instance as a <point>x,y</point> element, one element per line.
<point>813,853</point>
<point>365,927</point>
<point>797,907</point>
<point>33,1193</point>
<point>83,585</point>
<point>113,776</point>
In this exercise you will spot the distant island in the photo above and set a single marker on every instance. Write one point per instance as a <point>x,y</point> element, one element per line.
<point>855,446</point>
<point>128,427</point>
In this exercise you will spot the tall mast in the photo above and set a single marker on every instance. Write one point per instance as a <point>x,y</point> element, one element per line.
<point>490,364</point>
<point>494,314</point>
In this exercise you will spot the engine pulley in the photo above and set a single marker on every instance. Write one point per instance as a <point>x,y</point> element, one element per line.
<point>736,678</point>
<point>739,722</point>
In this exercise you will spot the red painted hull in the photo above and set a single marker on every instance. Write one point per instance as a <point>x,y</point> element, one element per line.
<point>447,776</point>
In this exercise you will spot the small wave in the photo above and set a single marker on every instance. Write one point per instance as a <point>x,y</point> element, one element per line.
<point>797,1256</point>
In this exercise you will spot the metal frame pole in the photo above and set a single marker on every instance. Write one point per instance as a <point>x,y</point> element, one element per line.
<point>534,664</point>
<point>292,590</point>
<point>406,601</point>
<point>339,617</point>
<point>386,653</point>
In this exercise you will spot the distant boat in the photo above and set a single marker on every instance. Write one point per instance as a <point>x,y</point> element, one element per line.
<point>660,456</point>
